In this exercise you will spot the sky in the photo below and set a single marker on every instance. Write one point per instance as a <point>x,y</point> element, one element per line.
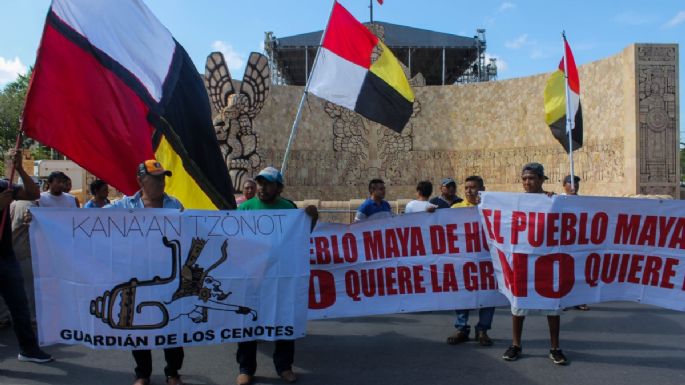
<point>524,35</point>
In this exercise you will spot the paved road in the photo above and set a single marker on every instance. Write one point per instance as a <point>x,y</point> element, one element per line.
<point>616,343</point>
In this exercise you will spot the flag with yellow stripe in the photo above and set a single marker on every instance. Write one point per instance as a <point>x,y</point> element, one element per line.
<point>556,112</point>
<point>356,70</point>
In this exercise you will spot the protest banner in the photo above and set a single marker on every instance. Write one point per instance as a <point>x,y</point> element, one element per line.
<point>158,278</point>
<point>408,263</point>
<point>554,252</point>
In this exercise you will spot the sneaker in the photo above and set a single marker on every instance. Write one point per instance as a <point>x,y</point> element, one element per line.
<point>483,339</point>
<point>512,353</point>
<point>38,356</point>
<point>557,357</point>
<point>458,337</point>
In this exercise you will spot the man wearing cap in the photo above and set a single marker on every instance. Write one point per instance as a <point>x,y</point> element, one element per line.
<point>11,281</point>
<point>472,186</point>
<point>532,177</point>
<point>56,195</point>
<point>151,176</point>
<point>448,196</point>
<point>269,189</point>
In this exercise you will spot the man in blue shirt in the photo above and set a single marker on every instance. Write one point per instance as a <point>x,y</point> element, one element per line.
<point>151,176</point>
<point>375,206</point>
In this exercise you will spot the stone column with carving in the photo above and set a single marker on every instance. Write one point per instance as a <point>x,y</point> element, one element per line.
<point>658,130</point>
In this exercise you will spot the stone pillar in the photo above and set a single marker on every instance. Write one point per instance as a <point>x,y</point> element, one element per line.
<point>658,120</point>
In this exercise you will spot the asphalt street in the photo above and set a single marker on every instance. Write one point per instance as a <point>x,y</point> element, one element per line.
<point>613,343</point>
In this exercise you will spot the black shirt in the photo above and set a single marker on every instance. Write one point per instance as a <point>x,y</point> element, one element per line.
<point>442,203</point>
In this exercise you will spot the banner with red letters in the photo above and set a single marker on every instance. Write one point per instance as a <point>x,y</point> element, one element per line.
<point>559,251</point>
<point>413,262</point>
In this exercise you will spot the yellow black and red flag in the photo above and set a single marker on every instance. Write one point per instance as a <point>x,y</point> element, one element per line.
<point>356,70</point>
<point>557,109</point>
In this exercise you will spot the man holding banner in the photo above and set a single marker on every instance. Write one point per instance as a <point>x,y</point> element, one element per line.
<point>269,189</point>
<point>11,281</point>
<point>151,176</point>
<point>472,186</point>
<point>533,177</point>
<point>375,206</point>
<point>572,189</point>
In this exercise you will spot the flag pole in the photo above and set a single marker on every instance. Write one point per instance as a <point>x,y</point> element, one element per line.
<point>371,11</point>
<point>298,116</point>
<point>569,121</point>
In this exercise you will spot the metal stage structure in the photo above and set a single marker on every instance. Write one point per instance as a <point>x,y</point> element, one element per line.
<point>441,58</point>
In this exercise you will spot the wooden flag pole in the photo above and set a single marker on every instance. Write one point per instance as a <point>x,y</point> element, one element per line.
<point>298,116</point>
<point>569,121</point>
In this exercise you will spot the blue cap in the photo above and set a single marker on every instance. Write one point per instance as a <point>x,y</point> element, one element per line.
<point>270,174</point>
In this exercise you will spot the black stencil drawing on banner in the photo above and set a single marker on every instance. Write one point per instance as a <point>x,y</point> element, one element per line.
<point>195,287</point>
<point>238,141</point>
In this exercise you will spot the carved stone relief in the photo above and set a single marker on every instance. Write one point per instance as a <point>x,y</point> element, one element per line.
<point>238,141</point>
<point>370,150</point>
<point>657,119</point>
<point>338,151</point>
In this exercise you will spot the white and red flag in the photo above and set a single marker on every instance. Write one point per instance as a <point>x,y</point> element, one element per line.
<point>111,88</point>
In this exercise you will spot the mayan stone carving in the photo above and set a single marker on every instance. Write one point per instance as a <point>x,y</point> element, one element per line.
<point>237,110</point>
<point>657,119</point>
<point>630,112</point>
<point>368,149</point>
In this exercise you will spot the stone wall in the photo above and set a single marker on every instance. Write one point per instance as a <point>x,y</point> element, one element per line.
<point>630,111</point>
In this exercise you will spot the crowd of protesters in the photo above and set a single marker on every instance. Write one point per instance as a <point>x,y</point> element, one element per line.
<point>261,193</point>
<point>532,178</point>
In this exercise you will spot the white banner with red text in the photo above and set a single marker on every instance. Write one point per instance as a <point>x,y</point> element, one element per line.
<point>408,263</point>
<point>559,251</point>
<point>159,278</point>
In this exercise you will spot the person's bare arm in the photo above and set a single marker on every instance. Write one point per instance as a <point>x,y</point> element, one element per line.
<point>313,213</point>
<point>29,191</point>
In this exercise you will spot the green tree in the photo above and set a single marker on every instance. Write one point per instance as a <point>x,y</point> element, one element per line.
<point>12,99</point>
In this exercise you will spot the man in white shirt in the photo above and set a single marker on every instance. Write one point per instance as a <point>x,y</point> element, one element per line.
<point>424,189</point>
<point>55,196</point>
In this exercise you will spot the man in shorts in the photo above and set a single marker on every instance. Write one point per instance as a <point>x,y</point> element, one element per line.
<point>532,177</point>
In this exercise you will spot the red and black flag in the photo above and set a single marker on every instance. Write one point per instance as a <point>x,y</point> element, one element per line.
<point>111,88</point>
<point>556,111</point>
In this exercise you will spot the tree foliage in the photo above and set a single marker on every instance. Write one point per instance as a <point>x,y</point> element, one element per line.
<point>12,99</point>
